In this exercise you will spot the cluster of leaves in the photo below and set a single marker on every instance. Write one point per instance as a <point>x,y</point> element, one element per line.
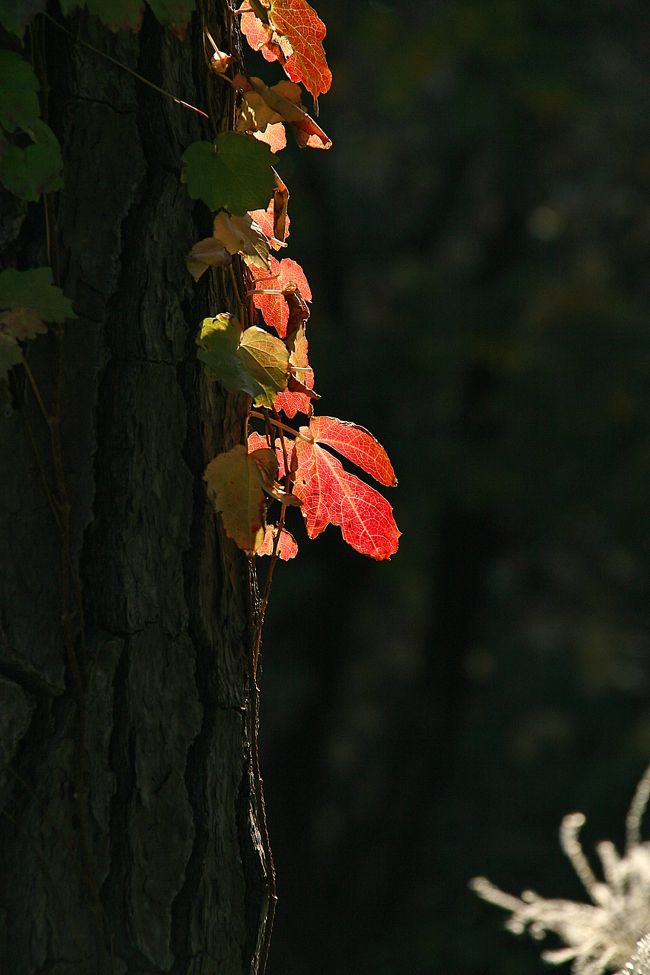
<point>269,362</point>
<point>235,177</point>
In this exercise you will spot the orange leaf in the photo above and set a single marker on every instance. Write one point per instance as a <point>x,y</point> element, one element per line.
<point>263,106</point>
<point>294,37</point>
<point>290,401</point>
<point>287,546</point>
<point>285,275</point>
<point>274,136</point>
<point>303,28</point>
<point>330,495</point>
<point>265,219</point>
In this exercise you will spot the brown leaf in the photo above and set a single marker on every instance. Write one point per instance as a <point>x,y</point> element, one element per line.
<point>206,253</point>
<point>241,235</point>
<point>264,106</point>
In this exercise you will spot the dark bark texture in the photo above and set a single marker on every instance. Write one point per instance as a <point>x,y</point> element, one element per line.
<point>130,840</point>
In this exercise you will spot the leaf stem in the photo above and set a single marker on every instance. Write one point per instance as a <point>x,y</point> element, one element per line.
<point>279,425</point>
<point>124,67</point>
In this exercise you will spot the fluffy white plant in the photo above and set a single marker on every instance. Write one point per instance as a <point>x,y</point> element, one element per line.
<point>611,933</point>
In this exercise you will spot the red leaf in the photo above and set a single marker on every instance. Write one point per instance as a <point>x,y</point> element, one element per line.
<point>357,444</point>
<point>285,274</point>
<point>257,441</point>
<point>330,495</point>
<point>266,220</point>
<point>287,546</point>
<point>303,28</point>
<point>294,37</point>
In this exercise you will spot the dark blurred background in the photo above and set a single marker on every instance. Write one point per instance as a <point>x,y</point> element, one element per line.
<point>478,244</point>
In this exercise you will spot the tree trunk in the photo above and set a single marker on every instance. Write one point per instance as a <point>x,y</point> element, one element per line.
<point>131,835</point>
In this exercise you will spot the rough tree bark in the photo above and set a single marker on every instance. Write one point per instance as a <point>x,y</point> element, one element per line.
<point>130,838</point>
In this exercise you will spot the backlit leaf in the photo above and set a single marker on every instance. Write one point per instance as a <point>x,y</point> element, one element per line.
<point>283,275</point>
<point>34,289</point>
<point>266,220</point>
<point>291,401</point>
<point>267,360</point>
<point>235,482</point>
<point>233,174</point>
<point>287,545</point>
<point>275,221</point>
<point>331,495</point>
<point>263,106</point>
<point>251,362</point>
<point>300,24</point>
<point>357,444</point>
<point>291,32</point>
<point>274,136</point>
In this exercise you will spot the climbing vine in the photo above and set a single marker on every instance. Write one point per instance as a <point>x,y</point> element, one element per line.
<point>257,347</point>
<point>261,347</point>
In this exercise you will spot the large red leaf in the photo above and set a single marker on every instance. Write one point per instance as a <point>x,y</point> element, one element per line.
<point>357,444</point>
<point>331,495</point>
<point>285,274</point>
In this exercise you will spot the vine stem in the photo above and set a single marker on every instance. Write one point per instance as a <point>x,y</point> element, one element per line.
<point>257,643</point>
<point>124,67</point>
<point>36,391</point>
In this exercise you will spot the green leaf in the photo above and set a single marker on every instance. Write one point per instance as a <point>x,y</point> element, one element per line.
<point>34,289</point>
<point>251,362</point>
<point>16,14</point>
<point>37,169</point>
<point>234,173</point>
<point>10,354</point>
<point>19,105</point>
<point>173,13</point>
<point>118,14</point>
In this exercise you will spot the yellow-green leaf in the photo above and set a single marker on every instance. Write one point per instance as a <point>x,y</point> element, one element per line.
<point>251,362</point>
<point>235,483</point>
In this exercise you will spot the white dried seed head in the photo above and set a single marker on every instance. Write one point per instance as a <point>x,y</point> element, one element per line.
<point>613,931</point>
